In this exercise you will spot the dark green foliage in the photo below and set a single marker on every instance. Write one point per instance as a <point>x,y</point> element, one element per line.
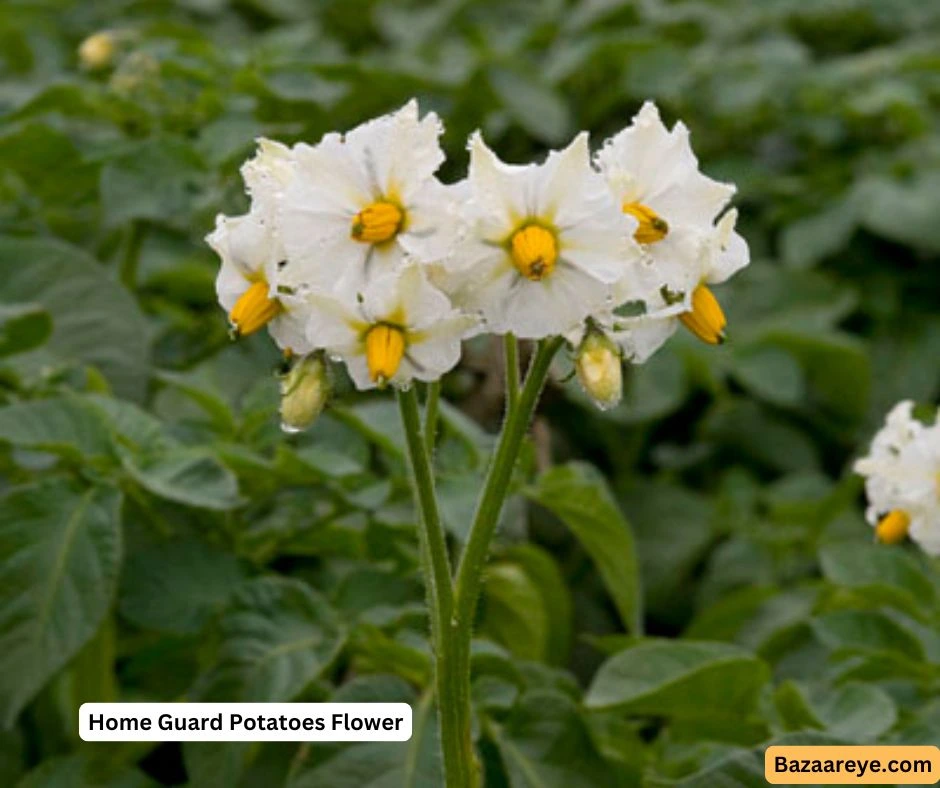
<point>160,539</point>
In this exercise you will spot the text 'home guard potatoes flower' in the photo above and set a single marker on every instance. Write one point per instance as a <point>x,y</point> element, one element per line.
<point>353,247</point>
<point>902,480</point>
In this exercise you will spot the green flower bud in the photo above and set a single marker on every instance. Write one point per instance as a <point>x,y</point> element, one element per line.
<point>304,392</point>
<point>598,365</point>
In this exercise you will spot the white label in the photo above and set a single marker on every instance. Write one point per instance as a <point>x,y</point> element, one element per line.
<point>244,721</point>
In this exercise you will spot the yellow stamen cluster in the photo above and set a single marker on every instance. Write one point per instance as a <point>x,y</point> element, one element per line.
<point>706,320</point>
<point>385,348</point>
<point>652,226</point>
<point>379,222</point>
<point>534,252</point>
<point>892,528</point>
<point>253,310</point>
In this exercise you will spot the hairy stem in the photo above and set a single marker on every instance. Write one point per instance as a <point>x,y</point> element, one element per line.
<point>511,355</point>
<point>456,742</point>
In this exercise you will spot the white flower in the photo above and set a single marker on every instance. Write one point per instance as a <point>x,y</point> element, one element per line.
<point>542,241</point>
<point>266,175</point>
<point>358,203</point>
<point>902,480</point>
<point>250,284</point>
<point>654,176</point>
<point>401,328</point>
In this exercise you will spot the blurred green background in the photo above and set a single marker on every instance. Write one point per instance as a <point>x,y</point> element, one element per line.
<point>160,539</point>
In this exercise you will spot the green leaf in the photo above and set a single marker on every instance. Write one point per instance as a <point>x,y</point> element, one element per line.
<point>858,630</point>
<point>60,551</point>
<point>545,743</point>
<point>377,421</point>
<point>859,713</point>
<point>277,637</point>
<point>78,771</point>
<point>770,373</point>
<point>412,764</point>
<point>23,327</point>
<point>515,613</point>
<point>189,476</point>
<point>156,179</point>
<point>544,572</point>
<point>881,572</point>
<point>794,707</point>
<point>65,426</point>
<point>95,320</point>
<point>538,109</point>
<point>679,678</point>
<point>746,769</point>
<point>177,586</point>
<point>578,495</point>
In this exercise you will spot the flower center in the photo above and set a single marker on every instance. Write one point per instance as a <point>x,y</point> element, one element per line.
<point>385,348</point>
<point>377,223</point>
<point>253,310</point>
<point>652,226</point>
<point>534,252</point>
<point>706,320</point>
<point>892,528</point>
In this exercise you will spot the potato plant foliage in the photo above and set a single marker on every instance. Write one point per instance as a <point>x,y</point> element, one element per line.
<point>676,582</point>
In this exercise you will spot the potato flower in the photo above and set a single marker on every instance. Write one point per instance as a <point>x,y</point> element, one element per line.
<point>653,174</point>
<point>542,242</point>
<point>401,328</point>
<point>358,203</point>
<point>902,480</point>
<point>248,282</point>
<point>255,284</point>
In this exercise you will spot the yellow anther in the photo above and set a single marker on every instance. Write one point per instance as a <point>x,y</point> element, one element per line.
<point>892,528</point>
<point>652,226</point>
<point>385,348</point>
<point>534,252</point>
<point>253,310</point>
<point>377,223</point>
<point>706,320</point>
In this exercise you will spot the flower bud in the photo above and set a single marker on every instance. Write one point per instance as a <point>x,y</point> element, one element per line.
<point>304,392</point>
<point>97,51</point>
<point>599,370</point>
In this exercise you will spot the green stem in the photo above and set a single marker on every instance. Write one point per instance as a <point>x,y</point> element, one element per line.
<point>469,572</point>
<point>456,742</point>
<point>431,409</point>
<point>511,354</point>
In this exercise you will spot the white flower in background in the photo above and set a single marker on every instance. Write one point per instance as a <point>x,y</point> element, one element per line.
<point>98,50</point>
<point>902,480</point>
<point>400,329</point>
<point>249,284</point>
<point>654,176</point>
<point>542,242</point>
<point>359,203</point>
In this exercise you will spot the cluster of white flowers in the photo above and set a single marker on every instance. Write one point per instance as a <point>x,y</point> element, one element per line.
<point>902,480</point>
<point>353,248</point>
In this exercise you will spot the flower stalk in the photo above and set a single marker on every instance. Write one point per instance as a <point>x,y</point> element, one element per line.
<point>453,605</point>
